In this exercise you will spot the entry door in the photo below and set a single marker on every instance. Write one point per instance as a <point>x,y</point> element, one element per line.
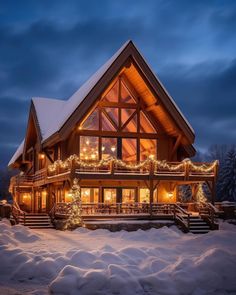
<point>42,202</point>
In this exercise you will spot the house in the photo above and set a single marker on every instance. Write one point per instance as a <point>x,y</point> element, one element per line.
<point>121,135</point>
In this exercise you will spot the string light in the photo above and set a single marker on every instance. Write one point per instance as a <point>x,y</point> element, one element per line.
<point>158,164</point>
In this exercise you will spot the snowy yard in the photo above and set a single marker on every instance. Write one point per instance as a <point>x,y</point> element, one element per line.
<point>157,261</point>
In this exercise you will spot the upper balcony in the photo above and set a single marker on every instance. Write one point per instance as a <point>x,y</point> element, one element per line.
<point>119,170</point>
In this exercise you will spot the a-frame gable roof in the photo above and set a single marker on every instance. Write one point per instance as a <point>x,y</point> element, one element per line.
<point>81,101</point>
<point>55,117</point>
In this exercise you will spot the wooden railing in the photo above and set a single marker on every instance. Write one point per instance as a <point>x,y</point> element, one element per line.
<point>92,209</point>
<point>182,217</point>
<point>185,170</point>
<point>208,212</point>
<point>17,213</point>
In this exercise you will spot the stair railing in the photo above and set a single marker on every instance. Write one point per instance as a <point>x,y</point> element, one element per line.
<point>182,217</point>
<point>209,217</point>
<point>17,213</point>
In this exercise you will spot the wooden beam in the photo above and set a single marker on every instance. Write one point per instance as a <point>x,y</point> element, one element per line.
<point>177,143</point>
<point>151,107</point>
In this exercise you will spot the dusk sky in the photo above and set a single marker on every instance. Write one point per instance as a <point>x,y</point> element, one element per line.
<point>49,48</point>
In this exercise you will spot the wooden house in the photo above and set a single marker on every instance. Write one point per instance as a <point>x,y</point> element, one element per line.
<point>121,135</point>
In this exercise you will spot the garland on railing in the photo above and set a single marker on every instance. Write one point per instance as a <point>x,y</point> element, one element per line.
<point>121,164</point>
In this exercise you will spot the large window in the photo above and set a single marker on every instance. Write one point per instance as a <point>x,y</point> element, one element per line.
<point>129,149</point>
<point>148,149</point>
<point>109,195</point>
<point>109,147</point>
<point>144,195</point>
<point>89,148</point>
<point>89,195</point>
<point>128,195</point>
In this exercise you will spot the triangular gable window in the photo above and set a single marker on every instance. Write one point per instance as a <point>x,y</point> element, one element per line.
<point>125,96</point>
<point>145,125</point>
<point>132,125</point>
<point>92,122</point>
<point>106,124</point>
<point>112,95</point>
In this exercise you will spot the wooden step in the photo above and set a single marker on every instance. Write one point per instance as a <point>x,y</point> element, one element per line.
<point>36,220</point>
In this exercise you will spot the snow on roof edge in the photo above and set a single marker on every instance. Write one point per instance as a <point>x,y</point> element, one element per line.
<point>17,153</point>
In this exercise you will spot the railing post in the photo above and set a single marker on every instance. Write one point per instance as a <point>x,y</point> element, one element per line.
<point>112,167</point>
<point>186,169</point>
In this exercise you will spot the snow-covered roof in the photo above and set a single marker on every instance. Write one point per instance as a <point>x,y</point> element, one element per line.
<point>17,154</point>
<point>52,114</point>
<point>49,112</point>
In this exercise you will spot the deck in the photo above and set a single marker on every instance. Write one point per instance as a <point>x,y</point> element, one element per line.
<point>118,170</point>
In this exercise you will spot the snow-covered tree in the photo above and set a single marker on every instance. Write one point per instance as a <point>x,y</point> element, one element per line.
<point>226,186</point>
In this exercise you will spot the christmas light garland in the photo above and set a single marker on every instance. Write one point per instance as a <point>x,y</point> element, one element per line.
<point>163,164</point>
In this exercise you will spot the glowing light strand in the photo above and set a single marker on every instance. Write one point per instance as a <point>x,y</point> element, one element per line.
<point>105,163</point>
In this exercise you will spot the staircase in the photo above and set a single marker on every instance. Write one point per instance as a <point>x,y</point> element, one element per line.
<point>35,220</point>
<point>197,225</point>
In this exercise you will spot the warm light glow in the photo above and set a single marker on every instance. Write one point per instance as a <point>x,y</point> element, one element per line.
<point>4,202</point>
<point>41,156</point>
<point>170,195</point>
<point>80,128</point>
<point>151,157</point>
<point>93,156</point>
<point>103,148</point>
<point>87,142</point>
<point>113,149</point>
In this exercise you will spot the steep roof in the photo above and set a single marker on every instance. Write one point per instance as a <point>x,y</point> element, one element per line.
<point>52,114</point>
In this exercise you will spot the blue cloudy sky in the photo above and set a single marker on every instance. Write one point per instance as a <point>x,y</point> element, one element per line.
<point>49,48</point>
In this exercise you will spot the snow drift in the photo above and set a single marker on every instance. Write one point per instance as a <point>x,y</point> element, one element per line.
<point>157,261</point>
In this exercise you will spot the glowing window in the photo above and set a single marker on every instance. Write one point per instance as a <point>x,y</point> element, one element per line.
<point>129,149</point>
<point>112,95</point>
<point>128,195</point>
<point>109,147</point>
<point>88,148</point>
<point>148,149</point>
<point>109,195</point>
<point>144,195</point>
<point>92,122</point>
<point>125,95</point>
<point>106,124</point>
<point>89,195</point>
<point>145,125</point>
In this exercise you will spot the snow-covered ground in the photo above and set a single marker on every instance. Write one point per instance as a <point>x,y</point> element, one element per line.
<point>157,261</point>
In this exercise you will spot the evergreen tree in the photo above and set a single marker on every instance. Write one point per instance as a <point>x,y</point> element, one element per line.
<point>185,193</point>
<point>226,186</point>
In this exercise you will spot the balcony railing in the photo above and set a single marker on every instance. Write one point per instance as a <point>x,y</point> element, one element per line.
<point>108,168</point>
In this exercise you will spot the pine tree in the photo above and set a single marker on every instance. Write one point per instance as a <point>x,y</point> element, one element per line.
<point>201,195</point>
<point>185,193</point>
<point>75,218</point>
<point>226,186</point>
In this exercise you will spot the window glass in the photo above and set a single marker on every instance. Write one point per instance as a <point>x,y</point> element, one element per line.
<point>89,195</point>
<point>88,148</point>
<point>148,149</point>
<point>125,95</point>
<point>109,147</point>
<point>132,125</point>
<point>129,149</point>
<point>145,125</point>
<point>112,95</point>
<point>106,124</point>
<point>144,195</point>
<point>109,195</point>
<point>126,114</point>
<point>128,195</point>
<point>113,114</point>
<point>92,122</point>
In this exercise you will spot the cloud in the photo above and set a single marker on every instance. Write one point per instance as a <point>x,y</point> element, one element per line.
<point>50,48</point>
